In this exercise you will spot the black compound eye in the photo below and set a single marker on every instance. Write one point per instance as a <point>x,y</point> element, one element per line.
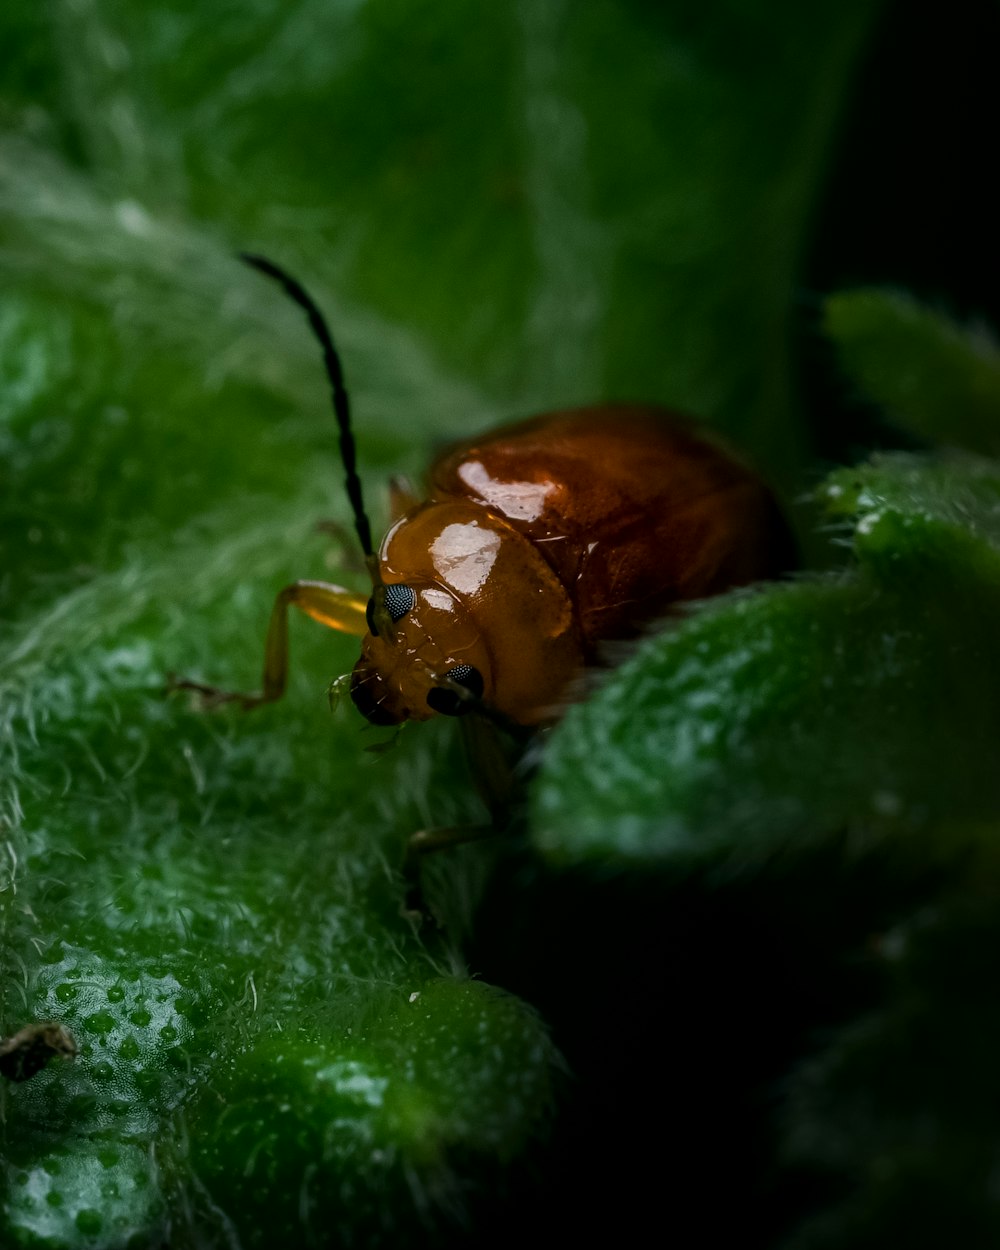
<point>399,599</point>
<point>449,702</point>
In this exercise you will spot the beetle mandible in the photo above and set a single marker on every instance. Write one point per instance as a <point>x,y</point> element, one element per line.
<point>537,543</point>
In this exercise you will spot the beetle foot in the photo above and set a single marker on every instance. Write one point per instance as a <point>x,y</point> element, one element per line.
<point>414,909</point>
<point>415,917</point>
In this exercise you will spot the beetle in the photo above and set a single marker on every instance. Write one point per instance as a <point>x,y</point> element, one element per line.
<point>537,544</point>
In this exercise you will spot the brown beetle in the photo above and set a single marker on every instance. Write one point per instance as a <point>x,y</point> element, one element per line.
<point>544,539</point>
<point>537,543</point>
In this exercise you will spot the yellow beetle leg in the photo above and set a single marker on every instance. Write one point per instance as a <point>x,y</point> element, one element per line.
<point>331,605</point>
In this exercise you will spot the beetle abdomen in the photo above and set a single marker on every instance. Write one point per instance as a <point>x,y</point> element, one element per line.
<point>632,508</point>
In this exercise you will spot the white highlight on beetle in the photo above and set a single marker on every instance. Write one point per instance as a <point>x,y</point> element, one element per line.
<point>463,555</point>
<point>523,500</point>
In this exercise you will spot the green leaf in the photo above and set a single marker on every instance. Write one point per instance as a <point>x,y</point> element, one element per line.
<point>442,1076</point>
<point>191,901</point>
<point>770,720</point>
<point>565,204</point>
<point>499,211</point>
<point>896,1111</point>
<point>935,378</point>
<point>955,496</point>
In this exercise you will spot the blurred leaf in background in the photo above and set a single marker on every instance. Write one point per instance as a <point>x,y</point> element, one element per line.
<point>502,209</point>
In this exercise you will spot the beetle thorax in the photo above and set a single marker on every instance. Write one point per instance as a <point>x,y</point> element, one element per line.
<point>476,605</point>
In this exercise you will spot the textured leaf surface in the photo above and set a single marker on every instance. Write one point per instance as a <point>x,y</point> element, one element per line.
<point>937,379</point>
<point>899,1102</point>
<point>563,205</point>
<point>865,702</point>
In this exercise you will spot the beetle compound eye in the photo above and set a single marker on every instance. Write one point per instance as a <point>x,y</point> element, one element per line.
<point>399,599</point>
<point>449,702</point>
<point>467,676</point>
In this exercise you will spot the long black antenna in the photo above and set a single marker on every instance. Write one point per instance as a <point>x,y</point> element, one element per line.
<point>341,404</point>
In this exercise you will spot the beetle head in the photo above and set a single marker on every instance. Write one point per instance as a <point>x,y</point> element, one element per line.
<point>422,655</point>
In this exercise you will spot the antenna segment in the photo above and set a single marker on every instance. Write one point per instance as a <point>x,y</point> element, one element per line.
<point>341,404</point>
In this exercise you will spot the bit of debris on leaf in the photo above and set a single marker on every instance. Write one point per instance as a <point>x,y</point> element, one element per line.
<point>27,1051</point>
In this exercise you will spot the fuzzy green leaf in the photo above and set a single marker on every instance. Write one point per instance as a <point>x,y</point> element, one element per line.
<point>935,378</point>
<point>866,703</point>
<point>562,203</point>
<point>956,495</point>
<point>441,1073</point>
<point>897,1110</point>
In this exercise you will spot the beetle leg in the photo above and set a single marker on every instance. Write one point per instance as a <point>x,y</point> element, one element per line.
<point>347,554</point>
<point>490,764</point>
<point>426,842</point>
<point>331,605</point>
<point>403,496</point>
